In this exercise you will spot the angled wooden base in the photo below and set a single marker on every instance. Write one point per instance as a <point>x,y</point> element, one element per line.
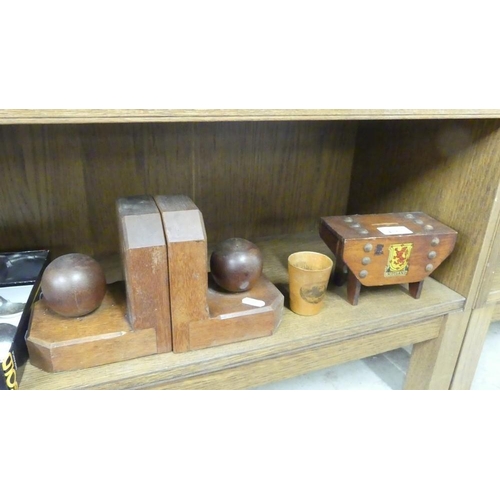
<point>233,320</point>
<point>58,344</point>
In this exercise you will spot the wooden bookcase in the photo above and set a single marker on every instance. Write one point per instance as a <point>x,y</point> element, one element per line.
<point>266,175</point>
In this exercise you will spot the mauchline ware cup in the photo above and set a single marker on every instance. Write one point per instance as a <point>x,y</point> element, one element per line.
<point>309,273</point>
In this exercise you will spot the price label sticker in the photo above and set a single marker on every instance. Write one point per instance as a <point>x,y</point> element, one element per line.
<point>392,230</point>
<point>253,302</point>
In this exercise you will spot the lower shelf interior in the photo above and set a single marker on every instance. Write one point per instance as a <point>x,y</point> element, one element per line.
<point>380,309</point>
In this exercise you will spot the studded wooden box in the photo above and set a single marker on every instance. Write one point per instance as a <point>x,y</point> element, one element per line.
<point>386,249</point>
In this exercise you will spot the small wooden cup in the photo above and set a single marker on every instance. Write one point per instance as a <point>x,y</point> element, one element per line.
<point>308,273</point>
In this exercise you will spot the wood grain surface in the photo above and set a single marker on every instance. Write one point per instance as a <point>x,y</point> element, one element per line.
<point>341,235</point>
<point>57,343</point>
<point>496,312</point>
<point>493,296</point>
<point>186,243</point>
<point>432,363</point>
<point>294,363</point>
<point>178,115</point>
<point>472,347</point>
<point>489,292</point>
<point>254,173</point>
<point>60,182</point>
<point>231,320</point>
<point>144,259</point>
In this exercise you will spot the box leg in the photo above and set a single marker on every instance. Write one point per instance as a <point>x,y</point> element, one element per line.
<point>353,288</point>
<point>339,274</point>
<point>415,289</point>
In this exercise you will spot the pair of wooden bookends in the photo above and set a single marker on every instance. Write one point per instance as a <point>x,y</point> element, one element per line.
<point>168,303</point>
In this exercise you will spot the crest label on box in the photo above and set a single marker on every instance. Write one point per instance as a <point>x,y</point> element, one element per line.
<point>398,262</point>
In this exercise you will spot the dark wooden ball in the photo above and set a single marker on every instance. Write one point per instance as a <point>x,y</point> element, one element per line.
<point>73,285</point>
<point>236,264</point>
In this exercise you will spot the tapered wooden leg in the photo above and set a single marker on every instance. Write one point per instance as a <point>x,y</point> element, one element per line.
<point>353,288</point>
<point>415,289</point>
<point>433,362</point>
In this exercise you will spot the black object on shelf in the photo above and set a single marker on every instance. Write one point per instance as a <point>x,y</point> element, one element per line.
<point>20,277</point>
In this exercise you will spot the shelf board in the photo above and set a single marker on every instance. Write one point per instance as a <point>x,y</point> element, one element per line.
<point>386,317</point>
<point>48,116</point>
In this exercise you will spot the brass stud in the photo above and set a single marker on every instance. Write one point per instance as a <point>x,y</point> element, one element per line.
<point>435,242</point>
<point>366,260</point>
<point>429,268</point>
<point>363,273</point>
<point>419,221</point>
<point>363,231</point>
<point>432,254</point>
<point>368,247</point>
<point>428,227</point>
<point>355,225</point>
<point>409,216</point>
<point>348,219</point>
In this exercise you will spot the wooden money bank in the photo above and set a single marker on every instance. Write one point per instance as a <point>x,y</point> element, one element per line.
<point>386,249</point>
<point>168,301</point>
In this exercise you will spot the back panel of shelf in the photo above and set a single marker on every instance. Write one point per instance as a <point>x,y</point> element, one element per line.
<point>253,179</point>
<point>249,179</point>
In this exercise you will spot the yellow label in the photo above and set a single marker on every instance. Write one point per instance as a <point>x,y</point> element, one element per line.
<point>9,371</point>
<point>399,260</point>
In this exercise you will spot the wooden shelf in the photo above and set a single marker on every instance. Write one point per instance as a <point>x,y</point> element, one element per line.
<point>260,172</point>
<point>386,318</point>
<point>47,116</point>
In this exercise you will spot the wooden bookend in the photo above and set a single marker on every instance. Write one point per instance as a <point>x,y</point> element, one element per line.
<point>56,343</point>
<point>144,260</point>
<point>187,263</point>
<point>133,319</point>
<point>203,315</point>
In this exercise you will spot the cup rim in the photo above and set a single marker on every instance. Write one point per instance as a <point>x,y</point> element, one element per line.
<point>311,252</point>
